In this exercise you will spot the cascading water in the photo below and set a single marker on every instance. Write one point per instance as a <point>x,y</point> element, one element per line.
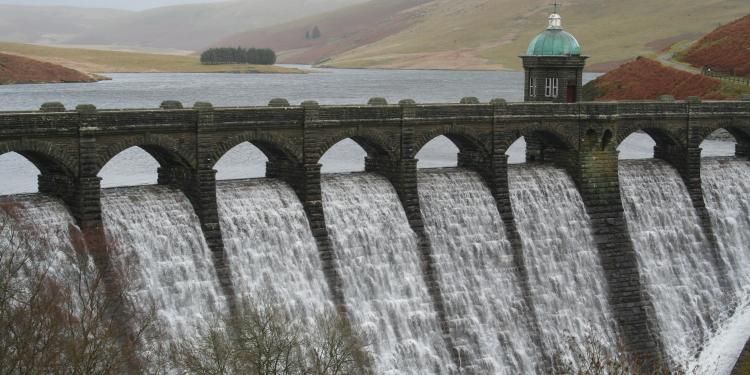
<point>157,243</point>
<point>726,182</point>
<point>379,261</point>
<point>483,299</point>
<point>672,254</point>
<point>271,249</point>
<point>567,282</point>
<point>41,228</point>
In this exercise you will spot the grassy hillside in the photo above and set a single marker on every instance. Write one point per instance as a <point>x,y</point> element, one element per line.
<point>17,69</point>
<point>100,61</point>
<point>341,30</point>
<point>726,49</point>
<point>34,24</point>
<point>645,79</point>
<point>480,34</point>
<point>195,26</point>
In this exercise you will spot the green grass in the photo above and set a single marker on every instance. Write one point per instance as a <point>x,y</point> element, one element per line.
<point>101,61</point>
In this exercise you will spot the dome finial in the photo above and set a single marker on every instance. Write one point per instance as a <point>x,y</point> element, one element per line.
<point>555,21</point>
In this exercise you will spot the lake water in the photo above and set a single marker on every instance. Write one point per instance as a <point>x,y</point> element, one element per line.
<point>327,86</point>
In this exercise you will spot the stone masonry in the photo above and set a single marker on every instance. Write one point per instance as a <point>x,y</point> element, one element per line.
<point>70,147</point>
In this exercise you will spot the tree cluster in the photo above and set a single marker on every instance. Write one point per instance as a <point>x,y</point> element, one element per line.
<point>314,34</point>
<point>239,55</point>
<point>591,357</point>
<point>263,340</point>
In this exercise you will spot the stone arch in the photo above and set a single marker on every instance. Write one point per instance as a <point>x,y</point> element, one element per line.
<point>740,133</point>
<point>662,137</point>
<point>551,135</point>
<point>740,130</point>
<point>165,150</point>
<point>373,144</point>
<point>47,157</point>
<point>462,140</point>
<point>272,147</point>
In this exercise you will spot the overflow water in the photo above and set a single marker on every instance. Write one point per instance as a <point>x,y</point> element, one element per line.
<point>484,303</point>
<point>567,282</point>
<point>159,246</point>
<point>41,228</point>
<point>672,254</point>
<point>271,249</point>
<point>726,183</point>
<point>378,258</point>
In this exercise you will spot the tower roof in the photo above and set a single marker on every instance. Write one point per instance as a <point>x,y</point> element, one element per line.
<point>554,41</point>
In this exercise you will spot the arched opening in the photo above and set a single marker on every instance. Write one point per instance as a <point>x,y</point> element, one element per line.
<point>346,156</point>
<point>637,145</point>
<point>241,162</point>
<point>131,167</point>
<point>517,151</point>
<point>719,143</point>
<point>440,152</point>
<point>19,175</point>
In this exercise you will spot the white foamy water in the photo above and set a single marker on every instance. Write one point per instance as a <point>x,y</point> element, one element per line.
<point>47,227</point>
<point>726,182</point>
<point>673,255</point>
<point>483,299</point>
<point>378,257</point>
<point>41,228</point>
<point>159,246</point>
<point>568,286</point>
<point>720,354</point>
<point>270,248</point>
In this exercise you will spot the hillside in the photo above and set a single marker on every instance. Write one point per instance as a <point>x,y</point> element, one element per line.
<point>484,34</point>
<point>101,61</point>
<point>51,24</point>
<point>725,49</point>
<point>341,31</point>
<point>17,70</point>
<point>194,26</point>
<point>645,79</point>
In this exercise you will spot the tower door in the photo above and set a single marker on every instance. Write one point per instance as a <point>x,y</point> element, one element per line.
<point>572,95</point>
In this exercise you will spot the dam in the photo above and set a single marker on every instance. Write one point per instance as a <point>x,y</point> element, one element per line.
<point>485,268</point>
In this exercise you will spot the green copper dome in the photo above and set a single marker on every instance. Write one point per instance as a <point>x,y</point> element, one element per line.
<point>554,41</point>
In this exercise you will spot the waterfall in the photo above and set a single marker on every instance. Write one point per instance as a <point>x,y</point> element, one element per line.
<point>673,255</point>
<point>726,182</point>
<point>483,299</point>
<point>567,282</point>
<point>41,228</point>
<point>378,257</point>
<point>158,245</point>
<point>271,249</point>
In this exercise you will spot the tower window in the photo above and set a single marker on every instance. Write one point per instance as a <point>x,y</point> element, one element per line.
<point>551,87</point>
<point>532,87</point>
